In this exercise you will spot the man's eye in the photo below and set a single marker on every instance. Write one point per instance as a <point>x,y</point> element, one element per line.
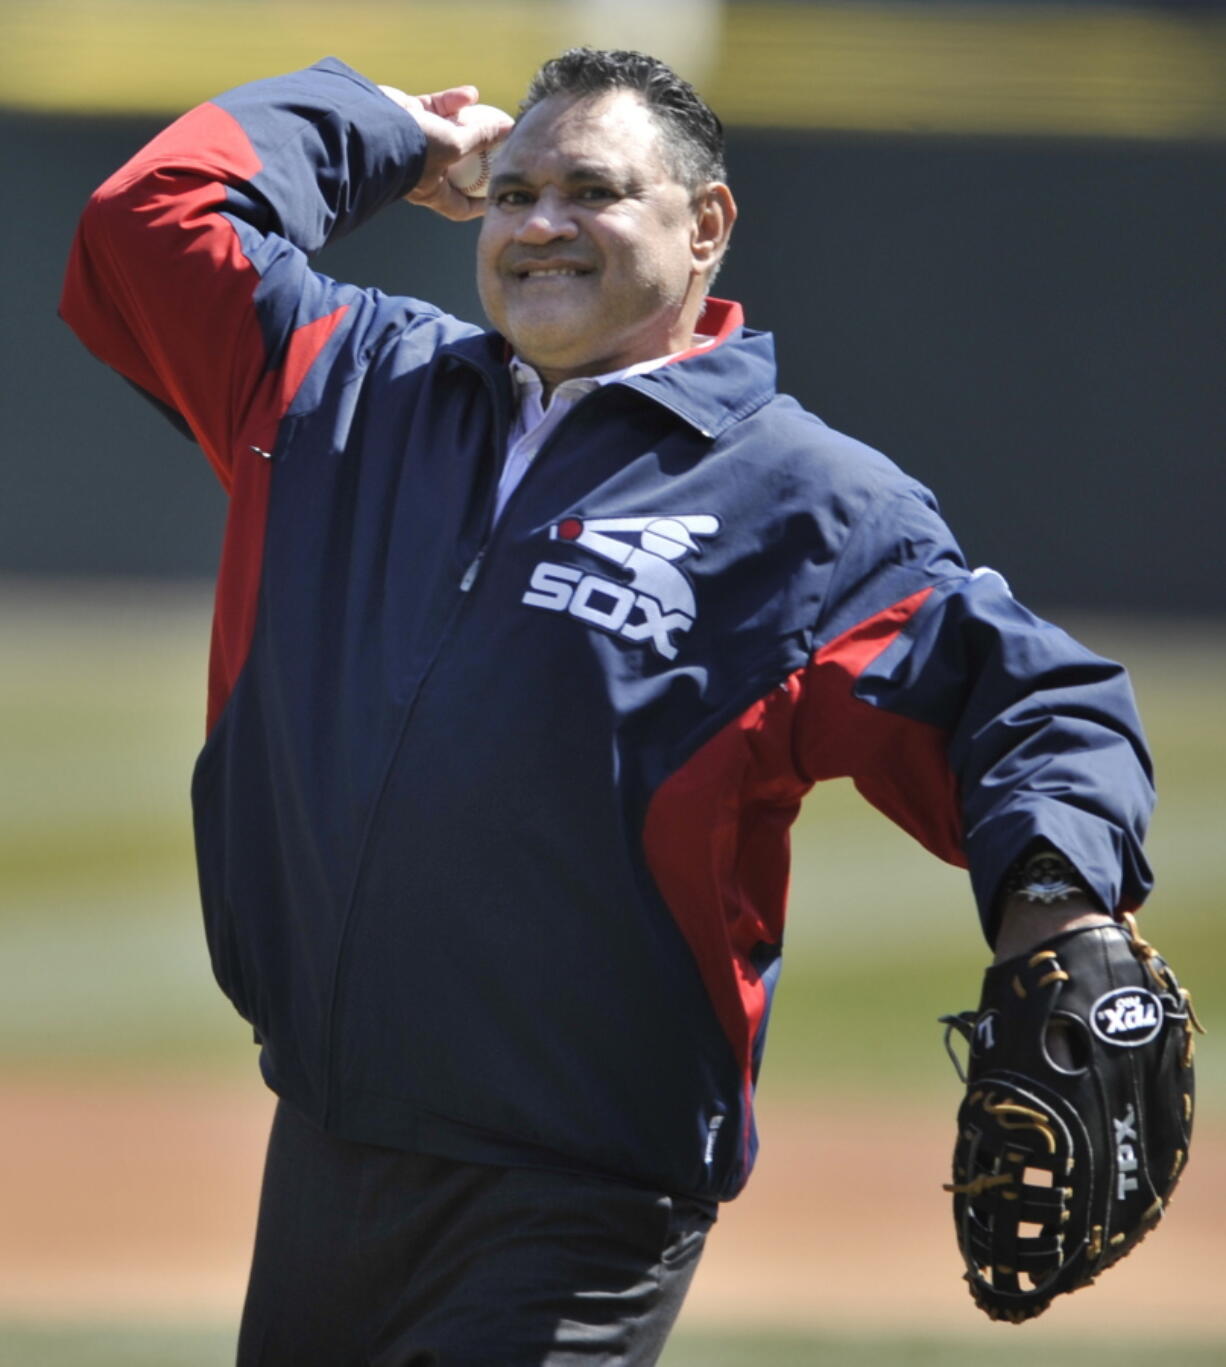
<point>595,194</point>
<point>512,199</point>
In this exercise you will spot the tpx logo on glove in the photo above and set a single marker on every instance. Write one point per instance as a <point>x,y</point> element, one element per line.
<point>1129,1017</point>
<point>985,1032</point>
<point>1126,1141</point>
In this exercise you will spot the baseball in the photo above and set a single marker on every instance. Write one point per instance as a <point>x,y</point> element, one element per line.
<point>667,538</point>
<point>471,174</point>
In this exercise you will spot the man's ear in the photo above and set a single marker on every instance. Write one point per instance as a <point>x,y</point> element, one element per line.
<point>714,215</point>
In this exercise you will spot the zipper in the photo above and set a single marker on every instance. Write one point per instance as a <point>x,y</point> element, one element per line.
<point>469,577</point>
<point>501,436</point>
<point>336,989</point>
<point>474,569</point>
<point>467,580</point>
<point>466,583</point>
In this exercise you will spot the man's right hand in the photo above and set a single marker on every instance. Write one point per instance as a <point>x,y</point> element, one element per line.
<point>446,142</point>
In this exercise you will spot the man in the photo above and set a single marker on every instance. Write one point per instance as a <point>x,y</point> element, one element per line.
<point>528,644</point>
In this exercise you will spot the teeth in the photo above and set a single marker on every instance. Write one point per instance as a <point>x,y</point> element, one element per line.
<point>532,275</point>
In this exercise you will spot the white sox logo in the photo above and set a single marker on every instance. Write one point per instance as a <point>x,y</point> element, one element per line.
<point>657,601</point>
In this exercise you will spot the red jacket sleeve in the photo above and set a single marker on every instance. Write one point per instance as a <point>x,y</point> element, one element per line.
<point>189,270</point>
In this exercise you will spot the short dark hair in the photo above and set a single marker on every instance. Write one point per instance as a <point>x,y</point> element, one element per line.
<point>693,137</point>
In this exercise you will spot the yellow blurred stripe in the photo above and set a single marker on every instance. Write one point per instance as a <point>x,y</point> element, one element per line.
<point>1016,69</point>
<point>163,56</point>
<point>1005,69</point>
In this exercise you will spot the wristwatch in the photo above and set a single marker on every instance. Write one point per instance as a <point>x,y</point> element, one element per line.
<point>1043,876</point>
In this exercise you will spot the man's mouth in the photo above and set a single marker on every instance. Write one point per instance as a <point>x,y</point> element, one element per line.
<point>547,270</point>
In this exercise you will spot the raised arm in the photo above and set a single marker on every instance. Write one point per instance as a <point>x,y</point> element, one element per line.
<point>189,273</point>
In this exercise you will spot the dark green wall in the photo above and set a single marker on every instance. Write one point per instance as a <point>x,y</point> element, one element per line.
<point>1036,330</point>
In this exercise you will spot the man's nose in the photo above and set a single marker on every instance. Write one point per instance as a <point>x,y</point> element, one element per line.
<point>548,220</point>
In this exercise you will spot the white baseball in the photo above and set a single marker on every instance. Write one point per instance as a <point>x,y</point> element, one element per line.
<point>667,538</point>
<point>471,174</point>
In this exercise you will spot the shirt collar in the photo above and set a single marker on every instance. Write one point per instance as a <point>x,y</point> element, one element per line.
<point>526,377</point>
<point>725,383</point>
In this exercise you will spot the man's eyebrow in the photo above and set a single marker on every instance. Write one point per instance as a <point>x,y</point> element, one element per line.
<point>500,179</point>
<point>578,172</point>
<point>509,175</point>
<point>597,170</point>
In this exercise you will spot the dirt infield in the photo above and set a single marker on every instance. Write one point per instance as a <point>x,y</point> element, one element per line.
<point>131,1200</point>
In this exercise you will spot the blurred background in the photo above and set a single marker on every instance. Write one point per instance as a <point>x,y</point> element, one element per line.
<point>987,237</point>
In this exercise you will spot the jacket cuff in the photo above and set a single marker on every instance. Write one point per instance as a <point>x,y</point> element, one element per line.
<point>1108,858</point>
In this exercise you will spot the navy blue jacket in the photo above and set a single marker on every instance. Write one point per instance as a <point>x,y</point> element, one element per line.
<point>492,821</point>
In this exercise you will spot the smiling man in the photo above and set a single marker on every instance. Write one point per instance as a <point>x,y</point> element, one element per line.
<point>597,246</point>
<point>529,642</point>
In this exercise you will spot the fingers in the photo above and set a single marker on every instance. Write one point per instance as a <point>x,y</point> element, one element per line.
<point>454,119</point>
<point>450,136</point>
<point>492,123</point>
<point>475,128</point>
<point>439,195</point>
<point>411,104</point>
<point>448,103</point>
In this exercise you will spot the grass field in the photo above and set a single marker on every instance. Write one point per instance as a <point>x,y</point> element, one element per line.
<point>106,1346</point>
<point>103,970</point>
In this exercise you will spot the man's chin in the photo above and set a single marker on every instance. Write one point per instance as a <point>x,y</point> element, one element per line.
<point>549,346</point>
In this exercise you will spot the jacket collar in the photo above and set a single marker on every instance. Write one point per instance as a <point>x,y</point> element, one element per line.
<point>709,387</point>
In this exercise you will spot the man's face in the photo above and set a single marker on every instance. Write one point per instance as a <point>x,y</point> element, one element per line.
<point>586,262</point>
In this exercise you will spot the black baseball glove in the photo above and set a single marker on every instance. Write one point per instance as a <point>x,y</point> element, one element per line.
<point>1077,1115</point>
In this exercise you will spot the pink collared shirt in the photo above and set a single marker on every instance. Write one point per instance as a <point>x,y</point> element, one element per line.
<point>534,421</point>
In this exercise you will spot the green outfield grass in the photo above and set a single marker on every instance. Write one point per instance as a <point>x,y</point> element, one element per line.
<point>102,963</point>
<point>109,1346</point>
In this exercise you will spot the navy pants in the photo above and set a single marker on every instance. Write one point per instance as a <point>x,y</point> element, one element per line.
<point>372,1257</point>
